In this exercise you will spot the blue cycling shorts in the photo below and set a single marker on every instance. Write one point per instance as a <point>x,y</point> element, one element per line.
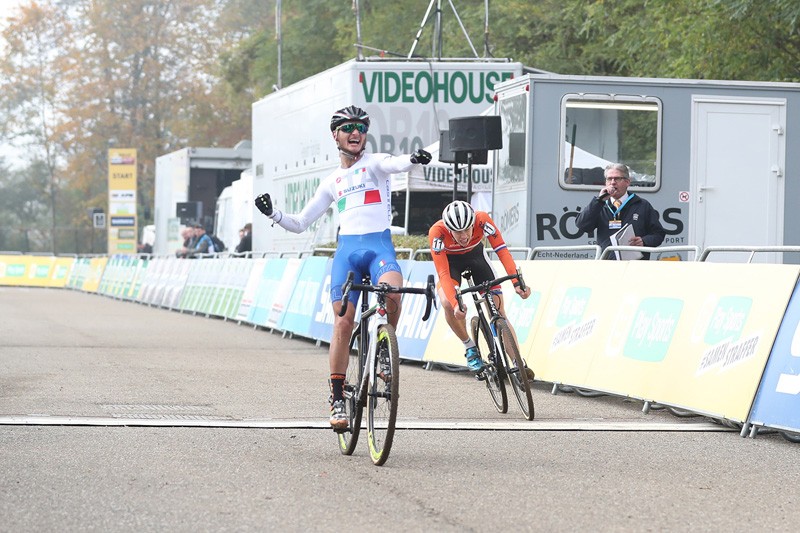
<point>372,254</point>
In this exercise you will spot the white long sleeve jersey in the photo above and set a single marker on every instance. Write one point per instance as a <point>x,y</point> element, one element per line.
<point>362,194</point>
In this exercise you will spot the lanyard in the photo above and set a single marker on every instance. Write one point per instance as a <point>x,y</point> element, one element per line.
<point>616,211</point>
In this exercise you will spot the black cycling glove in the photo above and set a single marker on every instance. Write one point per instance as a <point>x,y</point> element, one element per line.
<point>421,156</point>
<point>264,204</point>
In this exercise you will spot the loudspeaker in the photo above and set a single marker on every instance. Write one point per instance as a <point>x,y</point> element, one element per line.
<point>189,212</point>
<point>446,155</point>
<point>470,134</point>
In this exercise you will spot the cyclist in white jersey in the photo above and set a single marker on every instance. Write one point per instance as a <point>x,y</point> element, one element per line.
<point>361,190</point>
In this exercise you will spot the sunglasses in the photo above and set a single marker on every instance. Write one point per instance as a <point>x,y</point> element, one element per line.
<point>348,128</point>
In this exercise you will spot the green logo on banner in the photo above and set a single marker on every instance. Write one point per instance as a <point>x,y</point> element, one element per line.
<point>652,329</point>
<point>728,319</point>
<point>522,313</point>
<point>42,271</point>
<point>15,271</point>
<point>573,306</point>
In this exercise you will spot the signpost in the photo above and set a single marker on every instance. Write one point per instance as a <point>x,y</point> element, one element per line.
<point>122,177</point>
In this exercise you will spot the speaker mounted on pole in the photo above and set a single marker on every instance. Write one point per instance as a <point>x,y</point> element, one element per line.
<point>446,155</point>
<point>471,134</point>
<point>473,137</point>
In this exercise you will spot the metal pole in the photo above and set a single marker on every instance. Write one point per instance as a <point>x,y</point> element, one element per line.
<point>463,29</point>
<point>408,203</point>
<point>436,42</point>
<point>469,177</point>
<point>279,37</point>
<point>486,52</point>
<point>456,175</point>
<point>358,29</point>
<point>419,31</point>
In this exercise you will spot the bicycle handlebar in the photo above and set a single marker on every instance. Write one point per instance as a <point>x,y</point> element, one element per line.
<point>486,285</point>
<point>384,288</point>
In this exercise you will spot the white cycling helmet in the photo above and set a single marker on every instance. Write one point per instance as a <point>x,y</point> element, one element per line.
<point>458,216</point>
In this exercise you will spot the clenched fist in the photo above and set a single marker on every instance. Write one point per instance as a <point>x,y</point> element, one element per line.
<point>264,204</point>
<point>421,156</point>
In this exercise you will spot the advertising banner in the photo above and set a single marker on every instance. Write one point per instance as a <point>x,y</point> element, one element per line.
<point>777,403</point>
<point>307,286</point>
<point>321,327</point>
<point>34,271</point>
<point>700,337</point>
<point>412,332</point>
<point>122,178</point>
<point>576,314</point>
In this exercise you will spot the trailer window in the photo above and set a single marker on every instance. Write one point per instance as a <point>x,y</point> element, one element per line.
<point>601,129</point>
<point>511,157</point>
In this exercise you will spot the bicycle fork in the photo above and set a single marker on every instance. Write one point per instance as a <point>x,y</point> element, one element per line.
<point>375,320</point>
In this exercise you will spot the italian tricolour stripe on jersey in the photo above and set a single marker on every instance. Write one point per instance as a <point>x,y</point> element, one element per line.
<point>350,199</point>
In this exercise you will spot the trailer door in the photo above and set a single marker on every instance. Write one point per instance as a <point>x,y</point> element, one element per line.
<point>736,179</point>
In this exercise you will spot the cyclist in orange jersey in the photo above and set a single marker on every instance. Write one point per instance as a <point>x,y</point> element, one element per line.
<point>457,245</point>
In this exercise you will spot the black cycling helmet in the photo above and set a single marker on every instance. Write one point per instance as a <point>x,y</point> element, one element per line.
<point>349,114</point>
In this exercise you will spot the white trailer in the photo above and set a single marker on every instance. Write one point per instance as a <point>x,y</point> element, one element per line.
<point>187,185</point>
<point>409,103</point>
<point>234,210</point>
<point>713,157</point>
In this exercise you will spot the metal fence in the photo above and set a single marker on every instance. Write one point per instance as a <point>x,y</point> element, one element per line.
<point>66,240</point>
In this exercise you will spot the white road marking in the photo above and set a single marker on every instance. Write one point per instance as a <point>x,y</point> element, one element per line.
<point>411,424</point>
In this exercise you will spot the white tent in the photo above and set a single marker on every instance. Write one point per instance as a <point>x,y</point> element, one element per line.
<point>440,177</point>
<point>582,158</point>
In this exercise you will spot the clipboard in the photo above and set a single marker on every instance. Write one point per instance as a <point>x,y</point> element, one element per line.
<point>621,238</point>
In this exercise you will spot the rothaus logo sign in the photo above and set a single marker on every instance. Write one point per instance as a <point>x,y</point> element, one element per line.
<point>425,86</point>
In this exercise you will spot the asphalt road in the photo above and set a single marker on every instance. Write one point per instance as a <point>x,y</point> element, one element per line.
<point>120,417</point>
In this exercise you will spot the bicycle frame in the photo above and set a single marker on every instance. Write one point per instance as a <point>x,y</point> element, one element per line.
<point>484,303</point>
<point>377,375</point>
<point>367,331</point>
<point>505,361</point>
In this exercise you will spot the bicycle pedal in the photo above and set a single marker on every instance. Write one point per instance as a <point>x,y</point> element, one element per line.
<point>480,376</point>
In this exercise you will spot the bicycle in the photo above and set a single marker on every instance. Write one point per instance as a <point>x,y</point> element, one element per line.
<point>497,345</point>
<point>373,369</point>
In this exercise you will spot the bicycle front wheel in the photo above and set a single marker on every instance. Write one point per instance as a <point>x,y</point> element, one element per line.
<point>353,398</point>
<point>515,368</point>
<point>383,395</point>
<point>482,336</point>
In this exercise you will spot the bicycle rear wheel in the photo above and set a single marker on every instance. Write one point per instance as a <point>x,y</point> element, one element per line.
<point>515,367</point>
<point>383,395</point>
<point>493,373</point>
<point>353,400</point>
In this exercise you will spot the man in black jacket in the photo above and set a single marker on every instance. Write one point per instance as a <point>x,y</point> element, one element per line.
<point>614,207</point>
<point>246,241</point>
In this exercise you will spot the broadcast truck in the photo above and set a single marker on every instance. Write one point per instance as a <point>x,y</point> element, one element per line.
<point>410,102</point>
<point>719,160</point>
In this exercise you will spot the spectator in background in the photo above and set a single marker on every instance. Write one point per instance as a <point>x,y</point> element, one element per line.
<point>245,239</point>
<point>187,233</point>
<point>614,207</point>
<point>201,243</point>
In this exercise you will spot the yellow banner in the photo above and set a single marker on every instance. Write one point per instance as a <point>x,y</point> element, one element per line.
<point>34,271</point>
<point>122,184</point>
<point>698,338</point>
<point>691,335</point>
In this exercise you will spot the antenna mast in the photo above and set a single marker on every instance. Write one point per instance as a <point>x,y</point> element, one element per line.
<point>437,39</point>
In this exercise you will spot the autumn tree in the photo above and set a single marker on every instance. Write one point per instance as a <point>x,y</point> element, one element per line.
<point>38,46</point>
<point>127,73</point>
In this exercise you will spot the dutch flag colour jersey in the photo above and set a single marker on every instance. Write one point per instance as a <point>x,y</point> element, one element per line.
<point>361,195</point>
